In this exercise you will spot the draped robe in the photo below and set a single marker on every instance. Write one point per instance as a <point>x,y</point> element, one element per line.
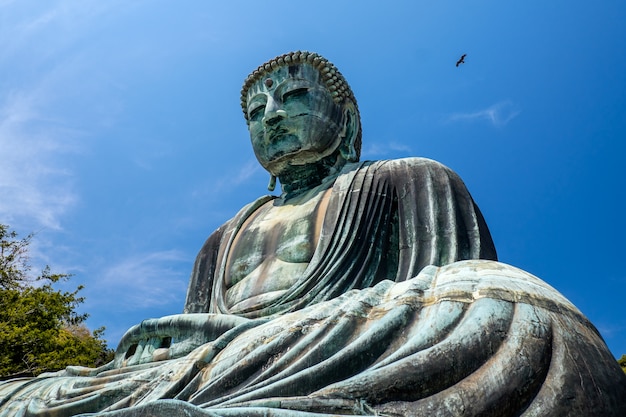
<point>385,220</point>
<point>400,312</point>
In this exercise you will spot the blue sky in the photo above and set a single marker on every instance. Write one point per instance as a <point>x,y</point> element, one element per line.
<point>123,146</point>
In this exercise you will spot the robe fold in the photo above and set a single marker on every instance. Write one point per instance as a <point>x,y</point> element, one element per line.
<point>399,313</point>
<point>385,220</point>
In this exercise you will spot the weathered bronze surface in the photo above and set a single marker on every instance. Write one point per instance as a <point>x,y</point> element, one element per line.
<point>367,288</point>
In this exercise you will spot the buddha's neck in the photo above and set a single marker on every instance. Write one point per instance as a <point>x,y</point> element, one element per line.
<point>301,178</point>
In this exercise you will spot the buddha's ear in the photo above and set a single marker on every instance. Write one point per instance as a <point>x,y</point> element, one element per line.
<point>349,132</point>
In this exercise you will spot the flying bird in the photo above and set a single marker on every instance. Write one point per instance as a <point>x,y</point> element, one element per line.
<point>461,60</point>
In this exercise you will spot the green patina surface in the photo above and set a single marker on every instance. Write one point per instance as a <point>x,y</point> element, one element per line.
<point>367,288</point>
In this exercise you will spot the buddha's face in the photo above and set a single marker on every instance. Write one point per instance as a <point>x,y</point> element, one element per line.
<point>293,119</point>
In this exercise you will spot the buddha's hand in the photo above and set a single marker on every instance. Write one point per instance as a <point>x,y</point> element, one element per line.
<point>171,337</point>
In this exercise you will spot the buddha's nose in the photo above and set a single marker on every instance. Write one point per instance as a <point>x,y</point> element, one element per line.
<point>273,114</point>
<point>271,118</point>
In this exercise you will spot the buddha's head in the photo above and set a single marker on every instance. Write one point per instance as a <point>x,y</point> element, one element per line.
<point>300,110</point>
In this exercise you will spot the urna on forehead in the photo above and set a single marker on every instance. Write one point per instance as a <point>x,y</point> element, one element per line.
<point>292,61</point>
<point>273,78</point>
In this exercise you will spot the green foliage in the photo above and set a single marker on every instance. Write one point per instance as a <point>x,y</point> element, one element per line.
<point>40,329</point>
<point>13,258</point>
<point>622,362</point>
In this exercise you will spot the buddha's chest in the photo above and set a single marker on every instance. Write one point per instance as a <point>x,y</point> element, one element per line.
<point>273,248</point>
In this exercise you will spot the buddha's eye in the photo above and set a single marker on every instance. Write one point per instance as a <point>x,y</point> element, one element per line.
<point>295,93</point>
<point>256,113</point>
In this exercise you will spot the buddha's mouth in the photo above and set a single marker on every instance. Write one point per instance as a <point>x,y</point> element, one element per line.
<point>274,134</point>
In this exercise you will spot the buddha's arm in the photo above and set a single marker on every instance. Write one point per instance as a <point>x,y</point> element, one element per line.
<point>439,221</point>
<point>200,283</point>
<point>171,337</point>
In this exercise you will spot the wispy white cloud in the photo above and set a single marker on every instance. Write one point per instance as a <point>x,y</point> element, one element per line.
<point>37,32</point>
<point>609,330</point>
<point>39,22</point>
<point>34,183</point>
<point>151,157</point>
<point>498,114</point>
<point>247,171</point>
<point>229,180</point>
<point>378,149</point>
<point>143,280</point>
<point>37,140</point>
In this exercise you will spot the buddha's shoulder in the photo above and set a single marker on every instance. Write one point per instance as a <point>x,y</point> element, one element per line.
<point>412,166</point>
<point>242,215</point>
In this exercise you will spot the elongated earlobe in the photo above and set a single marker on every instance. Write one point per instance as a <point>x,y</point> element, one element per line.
<point>272,185</point>
<point>350,131</point>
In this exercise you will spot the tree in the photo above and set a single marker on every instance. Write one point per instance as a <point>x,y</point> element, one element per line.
<point>13,258</point>
<point>622,362</point>
<point>40,329</point>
